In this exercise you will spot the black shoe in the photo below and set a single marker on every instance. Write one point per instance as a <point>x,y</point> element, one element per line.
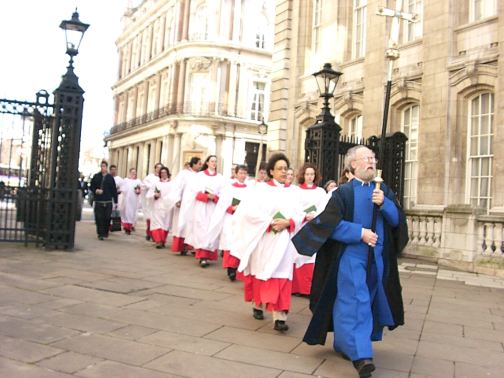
<point>159,246</point>
<point>281,326</point>
<point>231,272</point>
<point>203,263</point>
<point>183,253</point>
<point>147,237</point>
<point>364,367</point>
<point>128,232</point>
<point>258,314</point>
<point>100,237</point>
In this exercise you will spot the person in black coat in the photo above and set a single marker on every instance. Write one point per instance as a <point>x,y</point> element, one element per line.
<point>104,191</point>
<point>356,289</point>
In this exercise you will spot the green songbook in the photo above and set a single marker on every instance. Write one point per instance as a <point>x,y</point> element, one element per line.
<point>235,202</point>
<point>277,215</point>
<point>310,209</point>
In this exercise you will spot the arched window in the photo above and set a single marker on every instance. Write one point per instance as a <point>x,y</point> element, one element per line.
<point>410,122</point>
<point>355,127</point>
<point>480,124</point>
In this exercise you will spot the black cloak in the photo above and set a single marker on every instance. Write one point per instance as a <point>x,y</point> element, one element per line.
<point>315,237</point>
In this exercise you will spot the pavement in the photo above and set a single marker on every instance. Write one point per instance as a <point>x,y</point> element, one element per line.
<point>121,308</point>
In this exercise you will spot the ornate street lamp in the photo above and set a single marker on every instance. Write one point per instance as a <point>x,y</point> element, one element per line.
<point>322,138</point>
<point>262,129</point>
<point>63,207</point>
<point>74,32</point>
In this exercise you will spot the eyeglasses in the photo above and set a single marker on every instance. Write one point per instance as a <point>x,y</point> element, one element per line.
<point>369,159</point>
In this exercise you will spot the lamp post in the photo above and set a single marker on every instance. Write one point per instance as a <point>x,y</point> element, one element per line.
<point>65,145</point>
<point>262,129</point>
<point>322,138</point>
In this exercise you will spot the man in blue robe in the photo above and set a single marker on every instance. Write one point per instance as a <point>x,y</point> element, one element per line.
<point>356,289</point>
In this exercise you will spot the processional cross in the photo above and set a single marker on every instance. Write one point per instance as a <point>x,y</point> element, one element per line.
<point>391,54</point>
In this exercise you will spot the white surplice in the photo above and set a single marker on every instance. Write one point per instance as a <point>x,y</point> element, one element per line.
<point>265,254</point>
<point>160,212</point>
<point>149,180</point>
<point>181,214</point>
<point>130,200</point>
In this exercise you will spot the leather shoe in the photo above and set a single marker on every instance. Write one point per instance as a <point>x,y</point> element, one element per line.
<point>364,367</point>
<point>281,326</point>
<point>203,263</point>
<point>258,314</point>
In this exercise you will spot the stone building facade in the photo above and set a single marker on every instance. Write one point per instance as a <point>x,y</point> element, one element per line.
<point>193,80</point>
<point>447,97</point>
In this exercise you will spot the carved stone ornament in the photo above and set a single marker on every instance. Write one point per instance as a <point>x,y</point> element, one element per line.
<point>200,64</point>
<point>348,99</point>
<point>471,70</point>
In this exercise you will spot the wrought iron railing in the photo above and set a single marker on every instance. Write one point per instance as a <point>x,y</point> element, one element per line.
<point>187,108</point>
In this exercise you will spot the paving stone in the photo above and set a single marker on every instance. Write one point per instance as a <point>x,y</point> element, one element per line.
<point>15,295</point>
<point>433,367</point>
<point>90,309</point>
<point>466,342</point>
<point>116,369</point>
<point>465,370</point>
<point>388,373</point>
<point>393,360</point>
<point>133,332</point>
<point>188,292</point>
<point>21,281</point>
<point>428,349</point>
<point>280,343</point>
<point>483,334</point>
<point>25,311</point>
<point>335,368</point>
<point>442,328</point>
<point>15,369</point>
<point>199,366</point>
<point>111,348</point>
<point>69,362</point>
<point>94,296</point>
<point>277,360</point>
<point>25,351</point>
<point>184,343</point>
<point>291,374</point>
<point>81,323</point>
<point>33,330</point>
<point>121,285</point>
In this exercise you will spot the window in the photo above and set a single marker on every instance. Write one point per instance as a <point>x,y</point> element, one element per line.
<point>410,121</point>
<point>479,150</point>
<point>359,29</point>
<point>262,27</point>
<point>257,105</point>
<point>479,9</point>
<point>199,99</point>
<point>355,127</point>
<point>413,30</point>
<point>199,28</point>
<point>317,16</point>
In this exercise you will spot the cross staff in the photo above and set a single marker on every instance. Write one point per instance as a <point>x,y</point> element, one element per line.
<point>391,53</point>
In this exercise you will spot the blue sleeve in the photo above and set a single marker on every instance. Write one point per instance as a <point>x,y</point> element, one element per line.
<point>347,232</point>
<point>390,212</point>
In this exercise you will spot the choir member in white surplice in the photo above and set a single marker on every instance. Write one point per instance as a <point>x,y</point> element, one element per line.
<point>161,213</point>
<point>118,180</point>
<point>149,180</point>
<point>203,196</point>
<point>263,225</point>
<point>181,213</point>
<point>312,199</point>
<point>221,225</point>
<point>130,193</point>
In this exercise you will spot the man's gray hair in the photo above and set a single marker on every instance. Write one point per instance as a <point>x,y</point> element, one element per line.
<point>350,156</point>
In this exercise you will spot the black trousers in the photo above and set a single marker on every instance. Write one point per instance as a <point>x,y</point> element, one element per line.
<point>102,212</point>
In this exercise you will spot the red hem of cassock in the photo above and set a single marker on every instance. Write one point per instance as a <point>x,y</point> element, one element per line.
<point>127,226</point>
<point>274,293</point>
<point>159,235</point>
<point>229,261</point>
<point>206,254</point>
<point>177,244</point>
<point>302,279</point>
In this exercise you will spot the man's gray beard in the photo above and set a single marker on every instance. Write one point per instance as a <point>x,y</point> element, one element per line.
<point>365,175</point>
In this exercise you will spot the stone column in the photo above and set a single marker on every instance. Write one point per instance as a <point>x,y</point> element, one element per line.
<point>185,23</point>
<point>237,20</point>
<point>164,150</point>
<point>177,151</point>
<point>231,101</point>
<point>181,86</point>
<point>219,138</point>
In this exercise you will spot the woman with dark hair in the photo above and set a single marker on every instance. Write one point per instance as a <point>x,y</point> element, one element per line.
<point>160,212</point>
<point>181,213</point>
<point>265,221</point>
<point>203,197</point>
<point>312,199</point>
